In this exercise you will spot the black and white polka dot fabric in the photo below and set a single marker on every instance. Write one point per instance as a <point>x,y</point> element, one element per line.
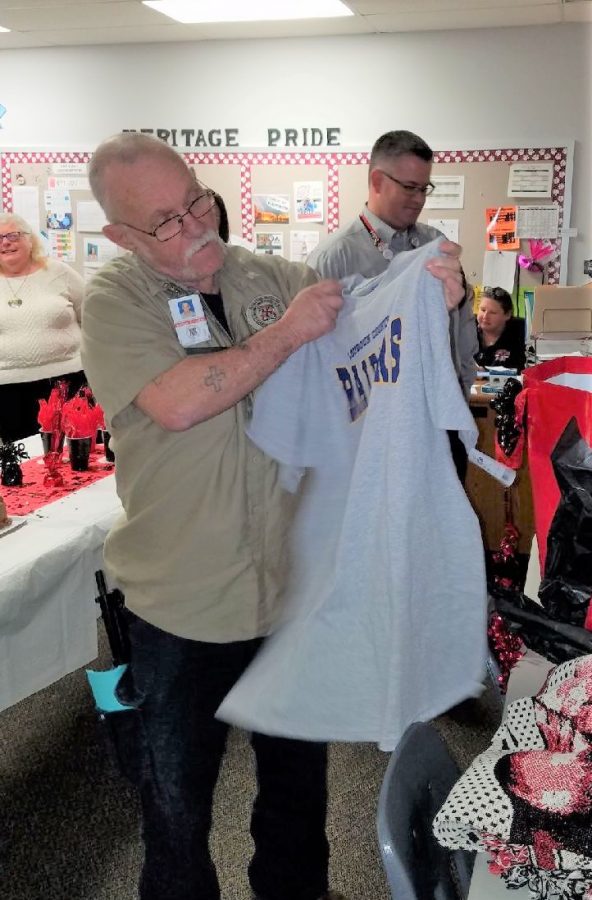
<point>527,800</point>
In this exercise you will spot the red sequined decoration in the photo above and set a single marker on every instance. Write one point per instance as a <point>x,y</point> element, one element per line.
<point>506,568</point>
<point>50,419</point>
<point>507,647</point>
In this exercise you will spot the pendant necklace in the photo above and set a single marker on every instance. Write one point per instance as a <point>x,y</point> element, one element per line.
<point>376,239</point>
<point>16,300</point>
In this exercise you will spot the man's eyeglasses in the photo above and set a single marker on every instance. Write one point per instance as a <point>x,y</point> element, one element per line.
<point>425,189</point>
<point>13,236</point>
<point>170,228</point>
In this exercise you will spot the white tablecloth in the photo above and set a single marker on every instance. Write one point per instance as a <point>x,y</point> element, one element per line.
<point>48,617</point>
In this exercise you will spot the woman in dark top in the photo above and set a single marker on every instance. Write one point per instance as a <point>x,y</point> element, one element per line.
<point>501,334</point>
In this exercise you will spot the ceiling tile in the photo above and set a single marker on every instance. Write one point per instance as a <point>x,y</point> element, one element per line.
<point>80,15</point>
<point>476,18</point>
<point>375,7</point>
<point>61,22</point>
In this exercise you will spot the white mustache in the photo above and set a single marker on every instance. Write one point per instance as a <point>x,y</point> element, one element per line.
<point>198,244</point>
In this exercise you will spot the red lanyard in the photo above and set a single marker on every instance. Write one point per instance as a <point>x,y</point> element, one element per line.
<point>376,239</point>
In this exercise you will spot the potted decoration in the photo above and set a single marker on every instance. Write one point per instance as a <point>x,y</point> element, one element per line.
<point>11,456</point>
<point>80,426</point>
<point>50,419</point>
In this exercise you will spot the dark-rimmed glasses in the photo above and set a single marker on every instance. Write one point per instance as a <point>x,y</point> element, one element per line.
<point>425,189</point>
<point>170,228</point>
<point>13,236</point>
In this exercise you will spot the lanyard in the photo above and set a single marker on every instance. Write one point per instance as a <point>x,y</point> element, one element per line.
<point>376,239</point>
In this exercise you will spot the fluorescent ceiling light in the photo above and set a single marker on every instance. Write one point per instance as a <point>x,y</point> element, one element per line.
<point>4,29</point>
<point>195,11</point>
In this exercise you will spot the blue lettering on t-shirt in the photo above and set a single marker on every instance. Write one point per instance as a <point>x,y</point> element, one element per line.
<point>395,349</point>
<point>382,366</point>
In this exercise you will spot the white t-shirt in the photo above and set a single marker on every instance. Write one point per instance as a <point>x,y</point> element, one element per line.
<point>386,620</point>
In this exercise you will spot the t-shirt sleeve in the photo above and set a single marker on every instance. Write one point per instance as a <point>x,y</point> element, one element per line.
<point>279,421</point>
<point>447,406</point>
<point>125,344</point>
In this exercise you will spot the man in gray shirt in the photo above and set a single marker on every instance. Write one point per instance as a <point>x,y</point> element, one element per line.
<point>398,183</point>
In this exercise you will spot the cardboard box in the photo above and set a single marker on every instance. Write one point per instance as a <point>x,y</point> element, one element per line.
<point>562,309</point>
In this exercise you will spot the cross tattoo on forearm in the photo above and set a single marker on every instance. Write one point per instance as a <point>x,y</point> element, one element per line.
<point>214,379</point>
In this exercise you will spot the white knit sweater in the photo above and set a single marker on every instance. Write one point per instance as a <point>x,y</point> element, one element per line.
<point>40,338</point>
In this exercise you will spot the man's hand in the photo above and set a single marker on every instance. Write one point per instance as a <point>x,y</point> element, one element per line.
<point>447,269</point>
<point>312,312</point>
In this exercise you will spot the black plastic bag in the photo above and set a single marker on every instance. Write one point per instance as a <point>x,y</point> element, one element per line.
<point>566,588</point>
<point>557,641</point>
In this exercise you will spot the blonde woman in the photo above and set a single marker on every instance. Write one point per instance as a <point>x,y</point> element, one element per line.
<point>40,306</point>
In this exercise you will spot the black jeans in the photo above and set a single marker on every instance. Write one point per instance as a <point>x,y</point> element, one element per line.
<point>177,686</point>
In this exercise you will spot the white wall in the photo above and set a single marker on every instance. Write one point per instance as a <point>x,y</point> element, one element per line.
<point>521,86</point>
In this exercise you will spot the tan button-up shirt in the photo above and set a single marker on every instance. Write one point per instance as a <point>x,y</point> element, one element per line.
<point>200,550</point>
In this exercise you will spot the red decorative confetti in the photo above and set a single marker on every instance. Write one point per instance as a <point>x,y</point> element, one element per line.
<point>33,494</point>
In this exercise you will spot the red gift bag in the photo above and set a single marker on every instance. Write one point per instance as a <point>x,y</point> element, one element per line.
<point>554,392</point>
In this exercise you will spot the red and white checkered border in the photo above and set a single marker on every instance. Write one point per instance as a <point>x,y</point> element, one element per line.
<point>246,161</point>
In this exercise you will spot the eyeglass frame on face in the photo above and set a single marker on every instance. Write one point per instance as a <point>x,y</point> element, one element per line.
<point>13,236</point>
<point>424,189</point>
<point>178,218</point>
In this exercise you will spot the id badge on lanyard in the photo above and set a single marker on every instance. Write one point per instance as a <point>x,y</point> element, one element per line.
<point>189,320</point>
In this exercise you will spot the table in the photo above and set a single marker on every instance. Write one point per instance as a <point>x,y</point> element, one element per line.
<point>48,617</point>
<point>487,495</point>
<point>526,678</point>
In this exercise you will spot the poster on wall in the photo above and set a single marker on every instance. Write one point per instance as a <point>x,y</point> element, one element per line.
<point>69,182</point>
<point>538,221</point>
<point>302,243</point>
<point>25,203</point>
<point>60,245</point>
<point>269,243</point>
<point>449,192</point>
<point>271,209</point>
<point>58,210</point>
<point>501,228</point>
<point>98,249</point>
<point>90,216</point>
<point>530,179</point>
<point>499,269</point>
<point>69,169</point>
<point>308,201</point>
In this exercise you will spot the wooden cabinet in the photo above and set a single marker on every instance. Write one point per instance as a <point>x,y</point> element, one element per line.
<point>488,496</point>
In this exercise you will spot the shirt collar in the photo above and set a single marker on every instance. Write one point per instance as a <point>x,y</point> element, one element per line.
<point>386,232</point>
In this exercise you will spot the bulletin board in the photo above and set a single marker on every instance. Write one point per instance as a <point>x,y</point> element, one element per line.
<point>241,176</point>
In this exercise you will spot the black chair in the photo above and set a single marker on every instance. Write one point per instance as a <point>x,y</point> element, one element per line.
<point>417,781</point>
<point>493,674</point>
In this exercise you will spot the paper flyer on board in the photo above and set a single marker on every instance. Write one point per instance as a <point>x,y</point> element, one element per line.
<point>308,201</point>
<point>269,243</point>
<point>501,228</point>
<point>271,209</point>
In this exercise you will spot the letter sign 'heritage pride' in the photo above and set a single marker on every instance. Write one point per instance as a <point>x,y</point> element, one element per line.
<point>230,137</point>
